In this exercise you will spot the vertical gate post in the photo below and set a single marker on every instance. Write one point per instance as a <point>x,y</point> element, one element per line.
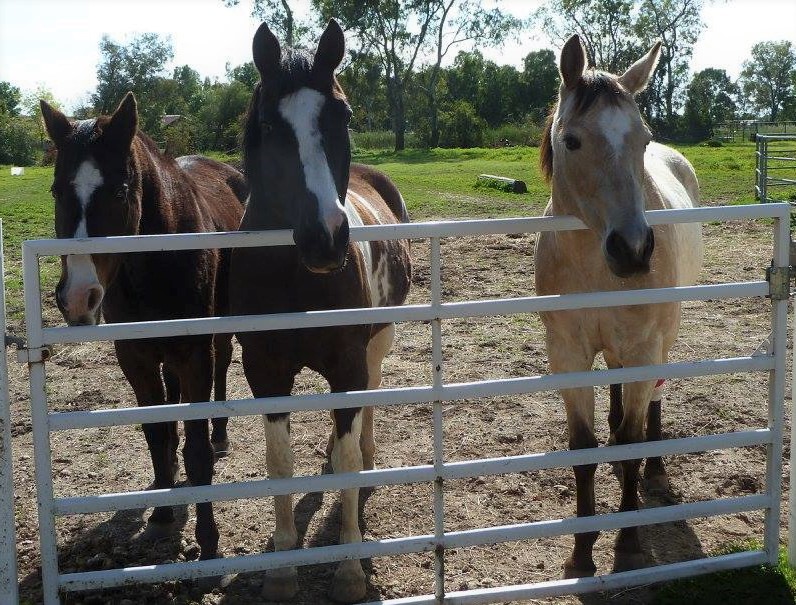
<point>9,591</point>
<point>439,455</point>
<point>776,391</point>
<point>42,455</point>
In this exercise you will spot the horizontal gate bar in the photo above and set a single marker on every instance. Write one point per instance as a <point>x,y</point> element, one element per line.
<point>614,581</point>
<point>404,475</point>
<point>60,421</point>
<point>424,312</point>
<point>248,239</point>
<point>399,546</point>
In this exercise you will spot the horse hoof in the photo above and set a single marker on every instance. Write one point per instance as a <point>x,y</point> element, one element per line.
<point>280,584</point>
<point>572,571</point>
<point>220,449</point>
<point>625,561</point>
<point>349,583</point>
<point>657,485</point>
<point>162,516</point>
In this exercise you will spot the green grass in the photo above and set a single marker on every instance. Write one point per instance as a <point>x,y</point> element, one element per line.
<point>761,585</point>
<point>436,183</point>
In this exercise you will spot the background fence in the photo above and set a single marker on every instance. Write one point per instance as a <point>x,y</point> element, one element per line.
<point>775,169</point>
<point>435,311</point>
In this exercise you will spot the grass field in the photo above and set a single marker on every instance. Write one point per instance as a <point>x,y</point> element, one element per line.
<point>439,184</point>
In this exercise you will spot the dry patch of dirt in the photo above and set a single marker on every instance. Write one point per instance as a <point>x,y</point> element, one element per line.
<point>85,377</point>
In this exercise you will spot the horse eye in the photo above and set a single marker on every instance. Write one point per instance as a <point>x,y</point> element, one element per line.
<point>572,142</point>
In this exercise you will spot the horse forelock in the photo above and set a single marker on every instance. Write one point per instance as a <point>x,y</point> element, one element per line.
<point>593,86</point>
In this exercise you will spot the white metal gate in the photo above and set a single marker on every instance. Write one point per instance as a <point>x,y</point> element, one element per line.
<point>8,538</point>
<point>435,311</point>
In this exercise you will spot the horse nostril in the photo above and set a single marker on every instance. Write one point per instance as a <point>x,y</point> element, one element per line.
<point>94,298</point>
<point>649,246</point>
<point>616,246</point>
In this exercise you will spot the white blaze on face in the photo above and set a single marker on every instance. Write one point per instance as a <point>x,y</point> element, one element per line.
<point>302,111</point>
<point>81,273</point>
<point>615,124</point>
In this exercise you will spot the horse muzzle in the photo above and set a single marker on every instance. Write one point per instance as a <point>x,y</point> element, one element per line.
<point>80,306</point>
<point>321,252</point>
<point>625,259</point>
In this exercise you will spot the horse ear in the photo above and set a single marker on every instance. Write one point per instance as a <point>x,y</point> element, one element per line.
<point>635,79</point>
<point>121,128</point>
<point>266,52</point>
<point>331,49</point>
<point>57,124</point>
<point>573,61</point>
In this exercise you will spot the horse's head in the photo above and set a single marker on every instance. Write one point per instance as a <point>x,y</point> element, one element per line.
<point>96,193</point>
<point>593,152</point>
<point>297,147</point>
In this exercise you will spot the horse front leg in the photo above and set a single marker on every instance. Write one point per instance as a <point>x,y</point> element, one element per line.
<point>350,373</point>
<point>195,370</point>
<point>580,422</point>
<point>628,552</point>
<point>568,354</point>
<point>655,479</point>
<point>222,347</point>
<point>141,368</point>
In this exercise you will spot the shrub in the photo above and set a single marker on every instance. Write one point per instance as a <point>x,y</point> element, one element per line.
<point>461,127</point>
<point>19,141</point>
<point>180,138</point>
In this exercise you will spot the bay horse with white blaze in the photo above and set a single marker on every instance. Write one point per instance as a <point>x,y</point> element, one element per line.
<point>603,168</point>
<point>297,158</point>
<point>111,179</point>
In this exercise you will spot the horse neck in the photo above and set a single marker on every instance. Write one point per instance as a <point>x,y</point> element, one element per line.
<point>161,190</point>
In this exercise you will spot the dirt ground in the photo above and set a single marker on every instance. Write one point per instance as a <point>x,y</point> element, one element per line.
<point>115,459</point>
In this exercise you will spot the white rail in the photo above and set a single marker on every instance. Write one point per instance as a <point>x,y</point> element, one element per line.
<point>9,593</point>
<point>439,471</point>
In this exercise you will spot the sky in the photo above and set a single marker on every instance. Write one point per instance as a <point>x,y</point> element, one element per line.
<point>55,43</point>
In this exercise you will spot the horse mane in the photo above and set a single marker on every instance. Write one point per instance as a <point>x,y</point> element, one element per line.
<point>592,85</point>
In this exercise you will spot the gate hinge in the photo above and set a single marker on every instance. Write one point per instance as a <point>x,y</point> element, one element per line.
<point>34,355</point>
<point>778,279</point>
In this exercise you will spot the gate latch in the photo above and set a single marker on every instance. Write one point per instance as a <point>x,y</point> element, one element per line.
<point>778,279</point>
<point>34,355</point>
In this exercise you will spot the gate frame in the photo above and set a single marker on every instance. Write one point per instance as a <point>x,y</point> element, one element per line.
<point>773,361</point>
<point>9,588</point>
<point>762,168</point>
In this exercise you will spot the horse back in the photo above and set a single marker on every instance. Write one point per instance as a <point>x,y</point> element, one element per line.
<point>373,199</point>
<point>674,185</point>
<point>221,189</point>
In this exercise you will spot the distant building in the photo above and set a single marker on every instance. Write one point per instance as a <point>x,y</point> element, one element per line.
<point>169,119</point>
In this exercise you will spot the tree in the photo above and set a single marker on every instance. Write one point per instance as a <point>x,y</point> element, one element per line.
<point>677,24</point>
<point>30,106</point>
<point>246,74</point>
<point>457,22</point>
<point>395,31</point>
<point>540,82</point>
<point>606,28</point>
<point>709,102</point>
<point>10,97</point>
<point>137,67</point>
<point>767,79</point>
<point>363,82</point>
<point>280,17</point>
<point>221,115</point>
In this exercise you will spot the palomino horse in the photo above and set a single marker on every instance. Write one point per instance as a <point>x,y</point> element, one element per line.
<point>297,158</point>
<point>110,179</point>
<point>603,168</point>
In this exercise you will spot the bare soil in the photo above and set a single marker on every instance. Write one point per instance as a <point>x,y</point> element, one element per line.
<point>84,377</point>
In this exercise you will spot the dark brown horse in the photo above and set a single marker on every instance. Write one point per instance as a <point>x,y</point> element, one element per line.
<point>298,162</point>
<point>111,179</point>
